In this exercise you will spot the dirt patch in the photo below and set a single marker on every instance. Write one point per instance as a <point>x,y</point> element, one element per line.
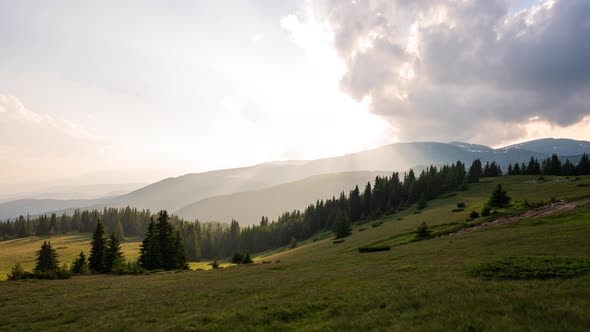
<point>542,211</point>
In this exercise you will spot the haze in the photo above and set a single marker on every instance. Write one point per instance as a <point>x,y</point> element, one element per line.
<point>132,92</point>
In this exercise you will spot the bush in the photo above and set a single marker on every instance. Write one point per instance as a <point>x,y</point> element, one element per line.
<point>214,264</point>
<point>474,214</point>
<point>532,267</point>
<point>18,273</point>
<point>337,241</point>
<point>422,232</point>
<point>63,272</point>
<point>247,259</point>
<point>461,205</point>
<point>373,249</point>
<point>485,210</point>
<point>237,258</point>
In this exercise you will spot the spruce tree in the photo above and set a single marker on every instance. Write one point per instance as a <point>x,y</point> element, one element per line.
<point>355,204</point>
<point>113,258</point>
<point>166,240</point>
<point>150,257</point>
<point>46,259</point>
<point>341,226</point>
<point>499,198</point>
<point>583,167</point>
<point>80,264</point>
<point>475,171</point>
<point>180,257</point>
<point>96,261</point>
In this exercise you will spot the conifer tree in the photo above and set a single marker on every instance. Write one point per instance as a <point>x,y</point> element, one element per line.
<point>80,264</point>
<point>150,257</point>
<point>46,259</point>
<point>499,198</point>
<point>583,167</point>
<point>180,260</point>
<point>423,203</point>
<point>341,226</point>
<point>355,204</point>
<point>475,171</point>
<point>96,261</point>
<point>113,258</point>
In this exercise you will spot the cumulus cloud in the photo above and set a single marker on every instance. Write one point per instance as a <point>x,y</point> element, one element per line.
<point>469,70</point>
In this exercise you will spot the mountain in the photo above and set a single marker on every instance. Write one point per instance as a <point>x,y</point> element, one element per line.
<point>13,209</point>
<point>176,193</point>
<point>248,207</point>
<point>548,146</point>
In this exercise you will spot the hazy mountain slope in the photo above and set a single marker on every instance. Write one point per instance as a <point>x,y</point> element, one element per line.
<point>175,193</point>
<point>33,207</point>
<point>248,207</point>
<point>559,146</point>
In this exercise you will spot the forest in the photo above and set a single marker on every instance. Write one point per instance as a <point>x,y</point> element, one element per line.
<point>212,240</point>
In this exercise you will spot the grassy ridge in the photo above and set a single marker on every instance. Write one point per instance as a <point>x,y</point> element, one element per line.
<point>322,286</point>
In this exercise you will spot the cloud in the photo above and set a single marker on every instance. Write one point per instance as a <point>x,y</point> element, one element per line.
<point>35,145</point>
<point>468,70</point>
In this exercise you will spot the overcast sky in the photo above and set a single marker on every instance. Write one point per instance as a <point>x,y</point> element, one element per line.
<point>162,88</point>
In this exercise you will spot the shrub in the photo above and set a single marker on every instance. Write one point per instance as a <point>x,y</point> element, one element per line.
<point>247,259</point>
<point>373,249</point>
<point>423,203</point>
<point>214,264</point>
<point>337,241</point>
<point>293,243</point>
<point>485,210</point>
<point>461,205</point>
<point>17,273</point>
<point>474,214</point>
<point>422,232</point>
<point>532,267</point>
<point>63,272</point>
<point>237,258</point>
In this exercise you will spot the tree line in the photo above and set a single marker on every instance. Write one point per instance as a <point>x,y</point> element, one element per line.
<point>210,240</point>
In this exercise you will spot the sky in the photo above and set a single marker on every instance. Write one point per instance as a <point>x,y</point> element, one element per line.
<point>135,91</point>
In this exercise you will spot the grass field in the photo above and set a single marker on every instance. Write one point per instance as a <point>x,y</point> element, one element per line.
<point>331,287</point>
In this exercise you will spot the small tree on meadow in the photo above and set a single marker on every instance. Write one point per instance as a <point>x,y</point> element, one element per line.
<point>247,259</point>
<point>237,258</point>
<point>46,259</point>
<point>80,264</point>
<point>422,232</point>
<point>113,259</point>
<point>499,198</point>
<point>97,249</point>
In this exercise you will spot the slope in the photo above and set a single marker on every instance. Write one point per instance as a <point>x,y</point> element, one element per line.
<point>248,207</point>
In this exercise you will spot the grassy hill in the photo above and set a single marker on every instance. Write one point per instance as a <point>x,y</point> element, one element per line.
<point>325,286</point>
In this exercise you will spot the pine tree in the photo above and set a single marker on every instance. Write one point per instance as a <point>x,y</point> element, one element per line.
<point>341,226</point>
<point>46,259</point>
<point>366,201</point>
<point>166,240</point>
<point>113,259</point>
<point>80,264</point>
<point>355,204</point>
<point>423,203</point>
<point>583,167</point>
<point>475,171</point>
<point>96,261</point>
<point>499,198</point>
<point>180,257</point>
<point>150,257</point>
<point>247,259</point>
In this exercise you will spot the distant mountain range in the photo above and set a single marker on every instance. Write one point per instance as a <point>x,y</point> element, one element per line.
<point>267,189</point>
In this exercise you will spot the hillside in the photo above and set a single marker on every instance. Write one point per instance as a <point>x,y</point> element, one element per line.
<point>176,193</point>
<point>248,207</point>
<point>320,285</point>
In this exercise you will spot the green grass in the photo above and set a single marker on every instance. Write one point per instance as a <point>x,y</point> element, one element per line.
<point>532,267</point>
<point>320,286</point>
<point>68,248</point>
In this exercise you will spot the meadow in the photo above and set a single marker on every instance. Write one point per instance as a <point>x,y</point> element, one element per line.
<point>320,285</point>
